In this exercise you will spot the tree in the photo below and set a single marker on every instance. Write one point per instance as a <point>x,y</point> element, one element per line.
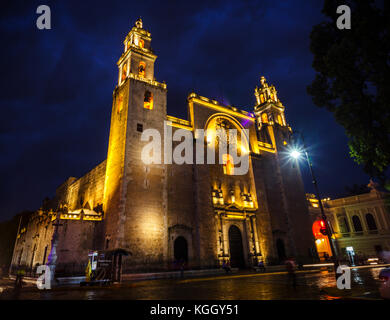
<point>353,79</point>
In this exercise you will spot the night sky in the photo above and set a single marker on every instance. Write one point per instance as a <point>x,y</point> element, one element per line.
<point>56,85</point>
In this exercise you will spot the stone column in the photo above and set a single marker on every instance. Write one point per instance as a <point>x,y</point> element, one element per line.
<point>255,234</point>
<point>225,237</point>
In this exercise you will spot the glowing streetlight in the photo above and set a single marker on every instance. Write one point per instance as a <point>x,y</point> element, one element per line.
<point>294,153</point>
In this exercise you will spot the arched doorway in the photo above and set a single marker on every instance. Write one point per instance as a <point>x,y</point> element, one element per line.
<point>281,249</point>
<point>236,249</point>
<point>180,249</point>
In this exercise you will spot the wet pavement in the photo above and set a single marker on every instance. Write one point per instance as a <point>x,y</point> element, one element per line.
<point>243,286</point>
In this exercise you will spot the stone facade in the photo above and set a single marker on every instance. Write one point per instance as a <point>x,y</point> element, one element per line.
<point>360,222</point>
<point>203,214</point>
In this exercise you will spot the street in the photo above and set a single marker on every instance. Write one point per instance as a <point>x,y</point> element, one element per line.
<point>311,285</point>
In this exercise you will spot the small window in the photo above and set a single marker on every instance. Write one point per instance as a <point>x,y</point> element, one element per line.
<point>141,43</point>
<point>141,69</point>
<point>357,224</point>
<point>140,127</point>
<point>343,224</point>
<point>262,98</point>
<point>228,164</point>
<point>264,118</point>
<point>148,100</point>
<point>371,222</point>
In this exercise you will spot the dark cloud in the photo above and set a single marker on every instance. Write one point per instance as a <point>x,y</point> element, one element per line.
<point>56,85</point>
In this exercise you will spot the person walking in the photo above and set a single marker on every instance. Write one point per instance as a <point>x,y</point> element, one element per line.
<point>290,266</point>
<point>261,266</point>
<point>18,283</point>
<point>226,266</point>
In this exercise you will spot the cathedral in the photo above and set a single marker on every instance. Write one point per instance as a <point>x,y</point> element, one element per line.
<point>203,214</point>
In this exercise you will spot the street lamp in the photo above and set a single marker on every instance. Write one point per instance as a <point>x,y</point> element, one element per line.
<point>296,154</point>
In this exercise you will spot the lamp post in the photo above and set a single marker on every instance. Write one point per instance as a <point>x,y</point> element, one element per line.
<point>296,154</point>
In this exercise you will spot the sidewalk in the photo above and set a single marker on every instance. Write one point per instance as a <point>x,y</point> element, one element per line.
<point>71,281</point>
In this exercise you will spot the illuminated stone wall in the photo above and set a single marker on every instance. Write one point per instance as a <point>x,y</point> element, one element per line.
<point>88,190</point>
<point>35,234</point>
<point>287,200</point>
<point>136,217</point>
<point>75,240</point>
<point>181,208</point>
<point>113,190</point>
<point>75,237</point>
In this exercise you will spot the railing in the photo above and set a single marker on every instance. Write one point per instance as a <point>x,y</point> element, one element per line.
<point>362,233</point>
<point>151,82</point>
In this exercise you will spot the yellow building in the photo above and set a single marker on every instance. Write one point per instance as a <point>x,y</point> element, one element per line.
<point>203,214</point>
<point>361,224</point>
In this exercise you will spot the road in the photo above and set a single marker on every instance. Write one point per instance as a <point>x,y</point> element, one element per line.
<point>245,285</point>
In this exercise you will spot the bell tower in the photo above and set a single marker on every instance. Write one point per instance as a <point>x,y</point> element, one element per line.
<point>283,181</point>
<point>269,108</point>
<point>138,58</point>
<point>135,204</point>
<point>270,119</point>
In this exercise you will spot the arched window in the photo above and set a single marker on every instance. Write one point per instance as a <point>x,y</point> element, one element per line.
<point>281,249</point>
<point>357,225</point>
<point>148,100</point>
<point>141,43</point>
<point>343,224</point>
<point>262,98</point>
<point>141,69</point>
<point>228,164</point>
<point>264,118</point>
<point>180,249</point>
<point>371,222</point>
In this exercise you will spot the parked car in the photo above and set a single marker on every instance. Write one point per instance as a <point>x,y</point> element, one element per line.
<point>384,277</point>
